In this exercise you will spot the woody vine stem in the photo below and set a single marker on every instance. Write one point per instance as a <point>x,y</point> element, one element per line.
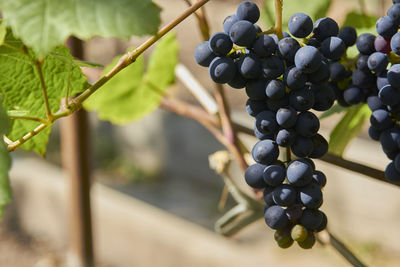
<point>76,103</point>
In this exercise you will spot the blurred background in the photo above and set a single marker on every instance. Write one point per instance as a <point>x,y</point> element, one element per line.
<point>155,199</point>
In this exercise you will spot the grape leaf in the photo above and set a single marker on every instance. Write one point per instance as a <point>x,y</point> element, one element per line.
<point>315,9</point>
<point>133,93</point>
<point>45,24</point>
<point>348,128</point>
<point>20,87</point>
<point>5,163</point>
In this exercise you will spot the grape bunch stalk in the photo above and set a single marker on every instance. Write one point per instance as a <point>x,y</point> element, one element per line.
<point>283,78</point>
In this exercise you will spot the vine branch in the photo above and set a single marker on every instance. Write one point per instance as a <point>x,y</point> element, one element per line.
<point>130,57</point>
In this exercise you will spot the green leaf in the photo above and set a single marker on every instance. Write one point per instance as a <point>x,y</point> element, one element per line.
<point>315,9</point>
<point>333,110</point>
<point>88,64</point>
<point>5,163</point>
<point>348,128</point>
<point>45,24</point>
<point>132,94</point>
<point>358,20</point>
<point>3,32</point>
<point>20,87</point>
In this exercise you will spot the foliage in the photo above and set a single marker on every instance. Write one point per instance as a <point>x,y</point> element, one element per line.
<point>137,92</point>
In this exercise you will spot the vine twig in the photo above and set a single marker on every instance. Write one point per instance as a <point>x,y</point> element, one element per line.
<point>17,117</point>
<point>130,57</point>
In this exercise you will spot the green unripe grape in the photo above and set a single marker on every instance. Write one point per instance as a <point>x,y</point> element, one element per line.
<point>283,238</point>
<point>299,233</point>
<point>308,242</point>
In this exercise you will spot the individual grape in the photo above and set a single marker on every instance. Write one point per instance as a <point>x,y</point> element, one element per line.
<point>248,11</point>
<point>363,79</point>
<point>307,124</point>
<point>320,146</point>
<point>323,224</point>
<point>324,97</point>
<point>264,46</point>
<point>274,175</point>
<point>396,162</point>
<point>222,70</point>
<point>309,242</point>
<point>299,233</point>
<point>320,178</point>
<point>311,196</point>
<point>389,95</point>
<point>392,174</point>
<point>302,146</point>
<point>228,22</point>
<point>395,1</point>
<point>311,218</point>
<point>301,100</point>
<point>286,117</point>
<point>258,28</point>
<point>333,48</point>
<point>262,136</point>
<point>380,119</point>
<point>390,154</point>
<point>267,196</point>
<point>285,195</point>
<point>243,33</point>
<point>272,67</point>
<point>393,76</point>
<point>374,133</point>
<point>294,212</point>
<point>275,104</point>
<point>382,80</point>
<point>394,13</point>
<point>299,173</point>
<point>238,81</point>
<point>254,175</point>
<point>285,138</point>
<point>265,122</point>
<point>220,43</point>
<point>386,27</point>
<point>321,75</point>
<point>300,25</point>
<point>203,54</point>
<point>283,238</point>
<point>288,48</point>
<point>275,89</point>
<point>349,35</point>
<point>308,59</point>
<point>275,217</point>
<point>377,62</point>
<point>389,139</point>
<point>294,78</point>
<point>309,162</point>
<point>314,42</point>
<point>353,95</point>
<point>362,63</point>
<point>254,107</point>
<point>265,152</point>
<point>382,44</point>
<point>365,43</point>
<point>255,89</point>
<point>374,102</point>
<point>395,43</point>
<point>324,28</point>
<point>249,66</point>
<point>337,71</point>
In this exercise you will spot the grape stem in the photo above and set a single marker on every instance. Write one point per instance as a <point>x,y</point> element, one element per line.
<point>76,103</point>
<point>277,29</point>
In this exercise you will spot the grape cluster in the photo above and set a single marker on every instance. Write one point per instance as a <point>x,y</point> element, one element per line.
<point>284,79</point>
<point>374,83</point>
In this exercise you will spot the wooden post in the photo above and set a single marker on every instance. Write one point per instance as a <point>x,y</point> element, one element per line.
<point>76,162</point>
